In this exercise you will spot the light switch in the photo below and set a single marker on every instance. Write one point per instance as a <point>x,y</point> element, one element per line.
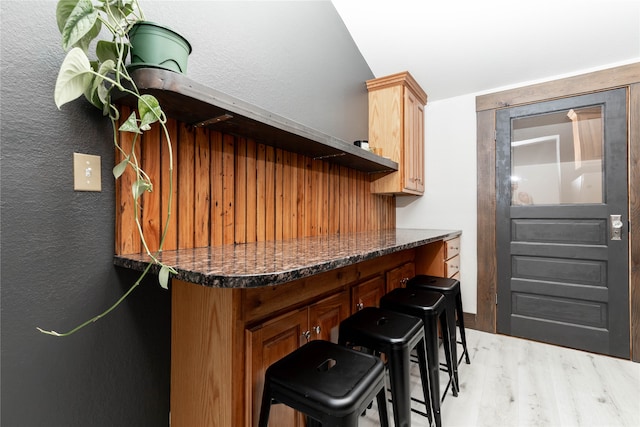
<point>86,172</point>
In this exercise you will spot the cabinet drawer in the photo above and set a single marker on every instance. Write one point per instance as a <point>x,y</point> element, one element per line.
<point>451,248</point>
<point>452,266</point>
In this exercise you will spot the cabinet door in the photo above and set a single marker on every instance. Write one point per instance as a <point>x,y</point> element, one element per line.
<point>269,343</point>
<point>367,294</point>
<point>413,147</point>
<point>396,125</point>
<point>397,277</point>
<point>325,316</point>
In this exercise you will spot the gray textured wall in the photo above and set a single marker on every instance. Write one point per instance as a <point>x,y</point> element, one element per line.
<point>294,58</point>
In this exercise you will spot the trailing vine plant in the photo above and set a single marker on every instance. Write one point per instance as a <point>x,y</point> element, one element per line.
<point>81,22</point>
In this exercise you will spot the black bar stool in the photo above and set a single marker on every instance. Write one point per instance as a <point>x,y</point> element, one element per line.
<point>329,383</point>
<point>395,334</point>
<point>430,307</point>
<point>450,288</point>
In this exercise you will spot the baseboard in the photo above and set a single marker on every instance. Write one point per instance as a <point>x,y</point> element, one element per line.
<point>469,320</point>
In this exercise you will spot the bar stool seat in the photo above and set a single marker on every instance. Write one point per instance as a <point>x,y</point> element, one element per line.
<point>395,334</point>
<point>450,288</point>
<point>329,383</point>
<point>430,307</point>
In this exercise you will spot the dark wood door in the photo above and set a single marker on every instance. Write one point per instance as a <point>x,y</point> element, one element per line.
<point>562,222</point>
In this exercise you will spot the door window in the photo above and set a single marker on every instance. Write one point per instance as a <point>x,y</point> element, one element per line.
<point>556,158</point>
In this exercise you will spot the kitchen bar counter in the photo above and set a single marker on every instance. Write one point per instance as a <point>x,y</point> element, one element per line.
<point>235,309</point>
<point>271,263</point>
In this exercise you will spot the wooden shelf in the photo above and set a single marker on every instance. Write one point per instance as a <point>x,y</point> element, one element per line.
<point>195,104</point>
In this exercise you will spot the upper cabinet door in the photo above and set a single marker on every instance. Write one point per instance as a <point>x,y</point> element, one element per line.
<point>396,128</point>
<point>413,161</point>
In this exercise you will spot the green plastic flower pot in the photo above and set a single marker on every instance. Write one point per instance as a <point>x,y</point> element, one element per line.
<point>156,46</point>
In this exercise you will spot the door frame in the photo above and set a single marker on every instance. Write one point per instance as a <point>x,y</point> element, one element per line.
<point>626,76</point>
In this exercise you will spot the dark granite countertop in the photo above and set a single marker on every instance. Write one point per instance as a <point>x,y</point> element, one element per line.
<point>276,262</point>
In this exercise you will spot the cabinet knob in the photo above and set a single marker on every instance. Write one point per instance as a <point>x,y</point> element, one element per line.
<point>403,281</point>
<point>306,335</point>
<point>359,306</point>
<point>317,329</point>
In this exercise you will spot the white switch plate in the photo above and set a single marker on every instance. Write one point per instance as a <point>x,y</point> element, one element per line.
<point>86,172</point>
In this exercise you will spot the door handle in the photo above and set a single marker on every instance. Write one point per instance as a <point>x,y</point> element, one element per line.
<point>615,227</point>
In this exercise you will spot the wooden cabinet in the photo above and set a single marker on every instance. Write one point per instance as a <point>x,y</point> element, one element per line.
<point>325,316</point>
<point>367,294</point>
<point>452,258</point>
<point>397,277</point>
<point>442,259</point>
<point>269,343</point>
<point>275,338</point>
<point>396,127</point>
<point>224,339</point>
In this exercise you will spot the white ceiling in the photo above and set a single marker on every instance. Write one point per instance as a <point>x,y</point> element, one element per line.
<point>456,47</point>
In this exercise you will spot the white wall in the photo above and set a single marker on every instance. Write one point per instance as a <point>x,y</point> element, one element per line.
<point>449,201</point>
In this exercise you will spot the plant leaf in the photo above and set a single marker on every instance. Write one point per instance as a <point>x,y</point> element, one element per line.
<point>163,276</point>
<point>106,50</point>
<point>63,11</point>
<point>119,169</point>
<point>131,125</point>
<point>81,24</point>
<point>99,83</point>
<point>139,187</point>
<point>149,109</point>
<point>98,92</point>
<point>92,95</point>
<point>74,77</point>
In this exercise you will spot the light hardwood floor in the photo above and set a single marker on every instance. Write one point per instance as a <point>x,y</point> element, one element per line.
<point>515,382</point>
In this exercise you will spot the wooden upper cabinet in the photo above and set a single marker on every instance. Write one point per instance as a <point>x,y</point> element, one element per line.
<point>396,127</point>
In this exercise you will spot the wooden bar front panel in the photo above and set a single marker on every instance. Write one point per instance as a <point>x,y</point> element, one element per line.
<point>229,189</point>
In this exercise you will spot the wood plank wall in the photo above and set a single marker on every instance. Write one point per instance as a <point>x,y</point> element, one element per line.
<point>229,189</point>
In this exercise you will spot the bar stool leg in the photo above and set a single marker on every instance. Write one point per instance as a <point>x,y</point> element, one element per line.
<point>383,414</point>
<point>421,349</point>
<point>450,312</point>
<point>265,407</point>
<point>452,365</point>
<point>463,337</point>
<point>400,389</point>
<point>433,363</point>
